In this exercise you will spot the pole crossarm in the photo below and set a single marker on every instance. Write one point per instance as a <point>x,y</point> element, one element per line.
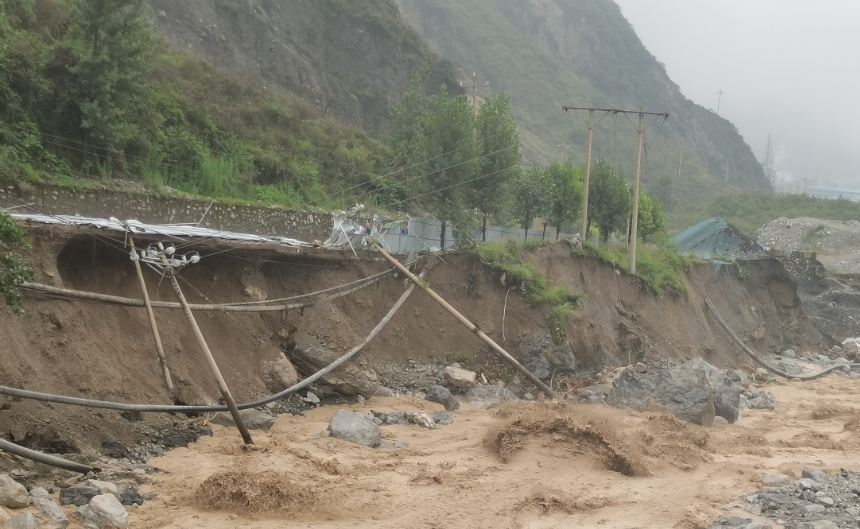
<point>565,108</point>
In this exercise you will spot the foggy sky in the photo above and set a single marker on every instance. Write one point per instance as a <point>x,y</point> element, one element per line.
<point>788,68</point>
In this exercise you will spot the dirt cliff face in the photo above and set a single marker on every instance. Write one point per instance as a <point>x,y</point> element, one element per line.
<point>352,67</point>
<point>105,351</point>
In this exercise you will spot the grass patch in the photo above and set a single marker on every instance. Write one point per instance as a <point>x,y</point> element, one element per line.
<point>452,357</point>
<point>509,257</point>
<point>812,234</point>
<point>659,267</point>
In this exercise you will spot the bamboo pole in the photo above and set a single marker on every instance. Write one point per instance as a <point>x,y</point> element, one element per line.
<point>162,359</point>
<point>213,366</point>
<point>471,326</point>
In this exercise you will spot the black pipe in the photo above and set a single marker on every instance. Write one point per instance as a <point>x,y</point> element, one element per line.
<point>39,457</point>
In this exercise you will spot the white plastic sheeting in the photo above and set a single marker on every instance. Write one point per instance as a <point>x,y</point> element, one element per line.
<point>167,230</point>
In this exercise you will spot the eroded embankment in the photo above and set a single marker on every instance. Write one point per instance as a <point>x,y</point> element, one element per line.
<point>106,352</point>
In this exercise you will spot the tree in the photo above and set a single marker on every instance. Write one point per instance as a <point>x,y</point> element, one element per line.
<point>111,41</point>
<point>651,217</point>
<point>500,151</point>
<point>14,270</point>
<point>663,190</point>
<point>530,195</point>
<point>449,150</point>
<point>608,200</point>
<point>565,194</point>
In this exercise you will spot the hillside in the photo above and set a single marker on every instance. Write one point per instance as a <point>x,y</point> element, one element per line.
<point>546,54</point>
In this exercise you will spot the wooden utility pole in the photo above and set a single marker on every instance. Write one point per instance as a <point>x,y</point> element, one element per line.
<point>222,385</point>
<point>152,325</point>
<point>469,325</point>
<point>640,129</point>
<point>719,100</point>
<point>583,230</point>
<point>475,87</point>
<point>635,224</point>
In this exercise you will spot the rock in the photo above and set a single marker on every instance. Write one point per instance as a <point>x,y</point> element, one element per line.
<point>442,418</point>
<point>103,512</point>
<point>52,511</point>
<point>3,515</point>
<point>680,388</point>
<point>104,487</point>
<point>721,421</point>
<point>807,484</point>
<point>22,521</point>
<point>13,494</point>
<point>826,501</point>
<point>814,474</point>
<point>821,524</point>
<point>641,368</point>
<point>516,389</point>
<point>278,374</point>
<point>253,419</point>
<point>726,390</point>
<point>355,427</point>
<point>814,507</point>
<point>401,445</point>
<point>543,357</point>
<point>78,495</point>
<point>757,525</point>
<point>349,379</point>
<point>129,495</point>
<point>486,397</point>
<point>442,396</point>
<point>775,480</point>
<point>312,398</point>
<point>39,492</point>
<point>422,419</point>
<point>459,377</point>
<point>788,353</point>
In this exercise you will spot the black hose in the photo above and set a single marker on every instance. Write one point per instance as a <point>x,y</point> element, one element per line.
<point>39,457</point>
<point>764,364</point>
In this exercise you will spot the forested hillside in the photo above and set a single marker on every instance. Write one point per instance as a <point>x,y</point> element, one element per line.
<point>546,54</point>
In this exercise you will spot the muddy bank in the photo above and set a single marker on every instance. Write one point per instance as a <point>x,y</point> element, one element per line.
<point>106,352</point>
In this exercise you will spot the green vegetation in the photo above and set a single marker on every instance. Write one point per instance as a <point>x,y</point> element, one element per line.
<point>529,193</point>
<point>749,212</point>
<point>14,269</point>
<point>509,257</point>
<point>87,92</point>
<point>451,357</point>
<point>812,234</point>
<point>659,267</point>
<point>609,202</point>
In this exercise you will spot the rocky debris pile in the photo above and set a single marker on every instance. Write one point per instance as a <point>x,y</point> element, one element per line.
<point>695,391</point>
<point>100,503</point>
<point>543,357</point>
<point>816,501</point>
<point>804,232</point>
<point>754,398</point>
<point>427,420</point>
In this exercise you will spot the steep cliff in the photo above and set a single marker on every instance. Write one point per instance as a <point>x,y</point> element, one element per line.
<point>352,59</point>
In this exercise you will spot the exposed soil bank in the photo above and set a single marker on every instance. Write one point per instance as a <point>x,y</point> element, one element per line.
<point>106,352</point>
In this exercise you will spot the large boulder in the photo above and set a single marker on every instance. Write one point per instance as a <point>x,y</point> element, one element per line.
<point>13,494</point>
<point>727,391</point>
<point>459,377</point>
<point>348,379</point>
<point>356,428</point>
<point>683,389</point>
<point>55,515</point>
<point>278,374</point>
<point>543,357</point>
<point>22,521</point>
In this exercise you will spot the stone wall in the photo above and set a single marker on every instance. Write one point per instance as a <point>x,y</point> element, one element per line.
<point>54,200</point>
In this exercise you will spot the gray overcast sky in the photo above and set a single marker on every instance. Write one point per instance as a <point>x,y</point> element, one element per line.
<point>789,68</point>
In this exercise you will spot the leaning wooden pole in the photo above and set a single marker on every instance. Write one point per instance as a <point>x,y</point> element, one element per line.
<point>162,359</point>
<point>222,385</point>
<point>471,326</point>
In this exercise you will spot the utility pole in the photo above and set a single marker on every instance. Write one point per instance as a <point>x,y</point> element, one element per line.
<point>727,169</point>
<point>165,258</point>
<point>475,87</point>
<point>719,100</point>
<point>680,159</point>
<point>635,224</point>
<point>152,325</point>
<point>583,230</point>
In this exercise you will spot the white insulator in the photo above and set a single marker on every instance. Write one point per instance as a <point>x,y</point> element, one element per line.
<point>195,259</point>
<point>170,250</point>
<point>134,256</point>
